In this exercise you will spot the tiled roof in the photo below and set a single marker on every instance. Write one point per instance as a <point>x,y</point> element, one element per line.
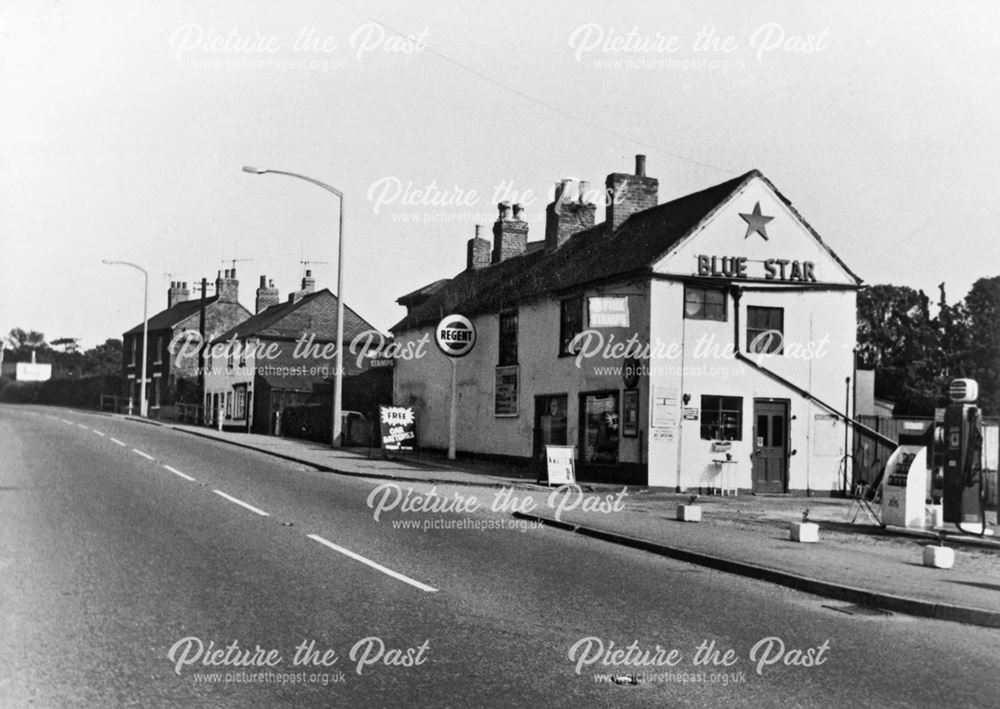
<point>166,319</point>
<point>279,321</point>
<point>588,256</point>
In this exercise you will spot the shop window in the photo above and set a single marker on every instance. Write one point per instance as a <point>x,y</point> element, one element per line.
<point>704,303</point>
<point>570,323</point>
<point>600,429</point>
<point>722,418</point>
<point>765,330</point>
<point>508,339</point>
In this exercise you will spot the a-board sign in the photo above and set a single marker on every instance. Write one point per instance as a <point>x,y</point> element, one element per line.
<point>455,335</point>
<point>398,427</point>
<point>560,465</point>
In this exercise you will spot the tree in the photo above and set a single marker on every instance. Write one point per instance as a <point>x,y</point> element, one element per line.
<point>981,313</point>
<point>105,358</point>
<point>67,344</point>
<point>24,342</point>
<point>902,343</point>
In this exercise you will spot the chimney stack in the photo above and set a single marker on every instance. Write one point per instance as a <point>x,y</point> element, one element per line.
<point>568,213</point>
<point>267,295</point>
<point>308,283</point>
<point>227,287</point>
<point>478,251</point>
<point>628,194</point>
<point>177,293</point>
<point>510,233</point>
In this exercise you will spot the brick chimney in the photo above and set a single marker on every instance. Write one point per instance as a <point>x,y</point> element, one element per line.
<point>177,293</point>
<point>510,233</point>
<point>628,194</point>
<point>227,287</point>
<point>267,294</point>
<point>308,283</point>
<point>478,251</point>
<point>568,213</point>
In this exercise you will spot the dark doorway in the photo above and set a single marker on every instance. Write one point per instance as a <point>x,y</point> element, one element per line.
<point>770,452</point>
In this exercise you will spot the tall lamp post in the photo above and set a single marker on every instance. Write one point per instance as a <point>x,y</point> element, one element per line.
<point>338,405</point>
<point>143,404</point>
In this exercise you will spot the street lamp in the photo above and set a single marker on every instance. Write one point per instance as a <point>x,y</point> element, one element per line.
<point>143,404</point>
<point>339,374</point>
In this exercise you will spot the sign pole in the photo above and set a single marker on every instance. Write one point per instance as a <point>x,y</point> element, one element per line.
<point>455,336</point>
<point>453,416</point>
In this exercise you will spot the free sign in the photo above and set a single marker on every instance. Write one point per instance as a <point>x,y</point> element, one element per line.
<point>455,335</point>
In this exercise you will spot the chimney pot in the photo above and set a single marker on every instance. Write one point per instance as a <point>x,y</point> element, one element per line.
<point>504,208</point>
<point>584,189</point>
<point>640,165</point>
<point>263,281</point>
<point>518,210</point>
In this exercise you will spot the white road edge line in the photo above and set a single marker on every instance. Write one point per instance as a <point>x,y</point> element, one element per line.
<point>374,565</point>
<point>98,432</point>
<point>115,440</point>
<point>147,456</point>
<point>177,472</point>
<point>241,503</point>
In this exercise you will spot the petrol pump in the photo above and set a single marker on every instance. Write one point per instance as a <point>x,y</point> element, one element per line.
<point>962,483</point>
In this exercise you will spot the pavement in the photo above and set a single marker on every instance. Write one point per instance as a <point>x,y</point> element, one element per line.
<point>860,565</point>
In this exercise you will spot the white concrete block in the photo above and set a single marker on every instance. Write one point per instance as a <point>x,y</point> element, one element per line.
<point>806,532</point>
<point>689,513</point>
<point>939,557</point>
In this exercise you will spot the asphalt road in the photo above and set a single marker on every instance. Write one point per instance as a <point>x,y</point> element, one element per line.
<point>127,549</point>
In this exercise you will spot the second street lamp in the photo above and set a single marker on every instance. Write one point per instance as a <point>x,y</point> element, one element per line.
<point>143,404</point>
<point>339,374</point>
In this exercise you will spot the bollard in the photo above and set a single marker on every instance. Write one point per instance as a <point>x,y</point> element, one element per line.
<point>689,513</point>
<point>939,557</point>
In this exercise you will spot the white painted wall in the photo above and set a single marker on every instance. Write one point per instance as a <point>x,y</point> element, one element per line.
<point>425,383</point>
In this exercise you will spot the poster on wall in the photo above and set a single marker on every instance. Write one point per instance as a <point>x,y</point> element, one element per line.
<point>664,407</point>
<point>505,391</point>
<point>607,311</point>
<point>398,427</point>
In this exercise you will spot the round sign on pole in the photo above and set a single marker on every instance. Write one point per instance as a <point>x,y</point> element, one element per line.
<point>455,335</point>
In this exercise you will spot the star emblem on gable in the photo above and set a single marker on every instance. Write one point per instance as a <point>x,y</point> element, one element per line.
<point>756,222</point>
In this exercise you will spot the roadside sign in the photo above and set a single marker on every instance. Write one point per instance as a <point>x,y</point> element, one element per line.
<point>560,465</point>
<point>455,335</point>
<point>398,427</point>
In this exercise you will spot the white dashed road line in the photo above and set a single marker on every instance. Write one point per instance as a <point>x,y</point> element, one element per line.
<point>83,426</point>
<point>177,472</point>
<point>66,421</point>
<point>115,440</point>
<point>374,565</point>
<point>98,433</point>
<point>147,456</point>
<point>241,503</point>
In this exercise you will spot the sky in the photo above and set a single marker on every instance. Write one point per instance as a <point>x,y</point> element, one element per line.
<point>126,123</point>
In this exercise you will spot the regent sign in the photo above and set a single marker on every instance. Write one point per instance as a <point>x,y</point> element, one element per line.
<point>456,335</point>
<point>779,269</point>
